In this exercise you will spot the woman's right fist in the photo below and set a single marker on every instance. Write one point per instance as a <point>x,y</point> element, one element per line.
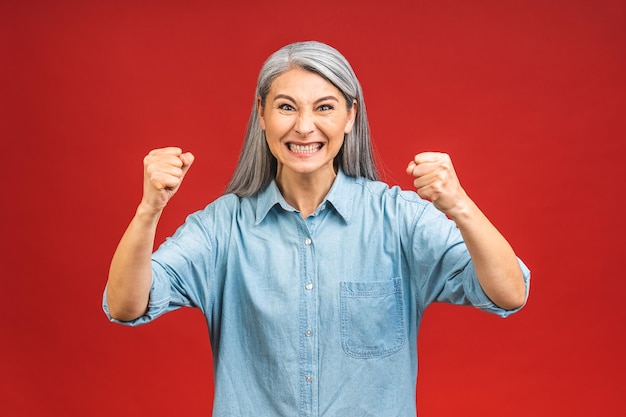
<point>164,170</point>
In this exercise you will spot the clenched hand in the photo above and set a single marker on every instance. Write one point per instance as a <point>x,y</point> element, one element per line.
<point>436,180</point>
<point>164,170</point>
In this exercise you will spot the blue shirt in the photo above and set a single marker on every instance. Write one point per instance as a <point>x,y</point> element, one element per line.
<point>315,317</point>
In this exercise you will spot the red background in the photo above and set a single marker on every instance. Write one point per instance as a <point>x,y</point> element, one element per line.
<point>526,95</point>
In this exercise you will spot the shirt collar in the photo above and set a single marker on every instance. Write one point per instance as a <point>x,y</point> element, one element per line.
<point>339,196</point>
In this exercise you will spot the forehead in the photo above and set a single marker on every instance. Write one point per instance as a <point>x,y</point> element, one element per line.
<point>298,81</point>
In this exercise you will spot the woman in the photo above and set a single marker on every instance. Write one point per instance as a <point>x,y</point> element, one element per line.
<point>312,275</point>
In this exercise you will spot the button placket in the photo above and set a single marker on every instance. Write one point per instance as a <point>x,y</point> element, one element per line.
<point>308,318</point>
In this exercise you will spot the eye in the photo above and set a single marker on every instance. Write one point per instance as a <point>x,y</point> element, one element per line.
<point>325,107</point>
<point>285,106</point>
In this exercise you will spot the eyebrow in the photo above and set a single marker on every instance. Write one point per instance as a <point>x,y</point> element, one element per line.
<point>286,97</point>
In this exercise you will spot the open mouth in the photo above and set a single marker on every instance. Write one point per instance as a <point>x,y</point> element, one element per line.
<point>310,148</point>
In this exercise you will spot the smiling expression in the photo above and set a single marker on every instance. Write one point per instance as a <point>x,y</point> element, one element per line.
<point>305,119</point>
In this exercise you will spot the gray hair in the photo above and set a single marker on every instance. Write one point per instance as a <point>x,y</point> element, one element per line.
<point>257,167</point>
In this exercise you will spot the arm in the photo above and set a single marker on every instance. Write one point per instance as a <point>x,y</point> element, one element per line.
<point>130,274</point>
<point>496,264</point>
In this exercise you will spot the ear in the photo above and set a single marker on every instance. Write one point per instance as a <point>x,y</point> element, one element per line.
<point>259,109</point>
<point>351,117</point>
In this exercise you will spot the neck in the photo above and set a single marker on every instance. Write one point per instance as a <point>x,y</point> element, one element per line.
<point>305,192</point>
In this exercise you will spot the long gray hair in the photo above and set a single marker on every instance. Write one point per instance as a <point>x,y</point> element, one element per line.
<point>257,167</point>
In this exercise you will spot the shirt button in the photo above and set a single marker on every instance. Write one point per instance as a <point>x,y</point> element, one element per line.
<point>309,286</point>
<point>309,378</point>
<point>308,332</point>
<point>308,241</point>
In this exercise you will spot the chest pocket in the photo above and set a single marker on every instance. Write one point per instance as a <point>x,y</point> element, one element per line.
<point>372,318</point>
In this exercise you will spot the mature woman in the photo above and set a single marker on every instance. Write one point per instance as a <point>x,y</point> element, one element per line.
<point>312,275</point>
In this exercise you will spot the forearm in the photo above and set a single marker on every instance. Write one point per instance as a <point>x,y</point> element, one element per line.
<point>495,262</point>
<point>496,265</point>
<point>130,274</point>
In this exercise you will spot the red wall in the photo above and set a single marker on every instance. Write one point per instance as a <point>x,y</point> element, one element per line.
<point>527,97</point>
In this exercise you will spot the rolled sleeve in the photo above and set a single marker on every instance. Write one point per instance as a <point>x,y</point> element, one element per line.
<point>180,270</point>
<point>479,299</point>
<point>158,304</point>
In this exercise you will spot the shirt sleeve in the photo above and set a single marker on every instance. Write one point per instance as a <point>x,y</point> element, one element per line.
<point>479,299</point>
<point>444,268</point>
<point>181,271</point>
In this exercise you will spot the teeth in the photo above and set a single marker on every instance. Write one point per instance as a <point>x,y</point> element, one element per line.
<point>304,148</point>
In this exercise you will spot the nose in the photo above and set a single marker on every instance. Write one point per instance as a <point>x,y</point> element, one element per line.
<point>304,125</point>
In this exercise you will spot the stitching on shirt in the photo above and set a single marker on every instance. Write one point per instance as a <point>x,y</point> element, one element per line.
<point>396,337</point>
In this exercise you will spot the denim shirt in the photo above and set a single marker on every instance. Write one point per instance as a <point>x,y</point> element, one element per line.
<point>315,317</point>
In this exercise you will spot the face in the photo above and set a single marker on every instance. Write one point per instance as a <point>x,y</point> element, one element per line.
<point>305,118</point>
